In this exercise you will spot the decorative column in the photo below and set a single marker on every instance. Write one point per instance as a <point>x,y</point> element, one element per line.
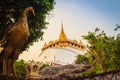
<point>32,71</point>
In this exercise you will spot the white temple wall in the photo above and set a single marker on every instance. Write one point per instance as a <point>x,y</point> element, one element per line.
<point>59,55</point>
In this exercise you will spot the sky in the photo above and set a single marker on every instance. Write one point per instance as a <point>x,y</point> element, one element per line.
<point>78,18</point>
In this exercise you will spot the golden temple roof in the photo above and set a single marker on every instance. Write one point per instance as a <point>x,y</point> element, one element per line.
<point>62,35</point>
<point>63,41</point>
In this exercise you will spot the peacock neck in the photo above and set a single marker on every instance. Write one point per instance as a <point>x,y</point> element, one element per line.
<point>24,16</point>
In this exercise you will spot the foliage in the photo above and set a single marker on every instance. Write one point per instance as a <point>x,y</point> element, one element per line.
<point>81,59</point>
<point>11,10</point>
<point>103,52</point>
<point>89,72</point>
<point>43,66</point>
<point>20,68</point>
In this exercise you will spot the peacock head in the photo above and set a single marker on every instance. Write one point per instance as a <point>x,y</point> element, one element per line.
<point>26,10</point>
<point>32,10</point>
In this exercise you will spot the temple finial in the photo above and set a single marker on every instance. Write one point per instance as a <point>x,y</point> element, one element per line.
<point>62,35</point>
<point>62,30</point>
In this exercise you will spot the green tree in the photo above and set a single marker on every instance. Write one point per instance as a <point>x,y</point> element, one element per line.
<point>11,10</point>
<point>82,59</point>
<point>43,65</point>
<point>103,52</point>
<point>20,68</point>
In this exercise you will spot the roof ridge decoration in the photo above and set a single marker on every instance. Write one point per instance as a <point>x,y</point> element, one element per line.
<point>62,35</point>
<point>63,41</point>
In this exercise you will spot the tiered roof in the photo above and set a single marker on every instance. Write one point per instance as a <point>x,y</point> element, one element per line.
<point>63,41</point>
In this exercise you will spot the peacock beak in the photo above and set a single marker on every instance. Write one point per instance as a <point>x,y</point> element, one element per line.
<point>33,13</point>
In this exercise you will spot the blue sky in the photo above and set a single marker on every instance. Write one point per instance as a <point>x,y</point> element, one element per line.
<point>110,8</point>
<point>78,17</point>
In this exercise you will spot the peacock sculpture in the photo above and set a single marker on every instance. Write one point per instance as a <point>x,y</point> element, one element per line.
<point>14,40</point>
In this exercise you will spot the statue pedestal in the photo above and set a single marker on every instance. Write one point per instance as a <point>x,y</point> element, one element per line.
<point>8,77</point>
<point>32,71</point>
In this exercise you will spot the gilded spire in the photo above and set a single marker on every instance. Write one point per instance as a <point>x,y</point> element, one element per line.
<point>62,35</point>
<point>62,30</point>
